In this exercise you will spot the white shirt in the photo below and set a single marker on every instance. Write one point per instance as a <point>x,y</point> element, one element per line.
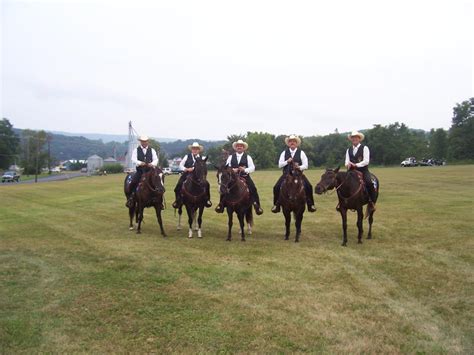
<point>251,165</point>
<point>366,157</point>
<point>144,150</point>
<point>304,160</point>
<point>183,161</point>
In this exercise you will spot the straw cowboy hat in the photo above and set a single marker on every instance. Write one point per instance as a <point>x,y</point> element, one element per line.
<point>356,133</point>
<point>293,137</point>
<point>240,141</point>
<point>196,145</point>
<point>143,138</point>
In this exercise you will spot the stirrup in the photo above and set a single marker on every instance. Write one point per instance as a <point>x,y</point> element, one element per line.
<point>276,208</point>
<point>311,208</point>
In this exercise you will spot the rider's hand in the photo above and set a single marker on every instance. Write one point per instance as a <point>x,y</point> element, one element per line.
<point>142,164</point>
<point>241,168</point>
<point>235,170</point>
<point>190,169</point>
<point>290,159</point>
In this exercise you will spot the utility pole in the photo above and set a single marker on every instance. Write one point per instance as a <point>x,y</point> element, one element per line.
<point>49,154</point>
<point>37,159</point>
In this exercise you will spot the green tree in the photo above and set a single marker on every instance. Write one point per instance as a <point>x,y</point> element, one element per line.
<point>438,143</point>
<point>34,157</point>
<point>461,133</point>
<point>9,144</point>
<point>231,139</point>
<point>262,149</point>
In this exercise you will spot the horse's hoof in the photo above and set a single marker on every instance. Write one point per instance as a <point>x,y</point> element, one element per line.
<point>243,240</point>
<point>130,228</point>
<point>369,237</point>
<point>199,234</point>
<point>227,240</point>
<point>359,241</point>
<point>138,232</point>
<point>297,241</point>
<point>344,244</point>
<point>178,228</point>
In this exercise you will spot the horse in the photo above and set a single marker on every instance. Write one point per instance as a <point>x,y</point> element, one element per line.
<point>236,198</point>
<point>292,198</point>
<point>149,193</point>
<point>194,197</point>
<point>350,187</point>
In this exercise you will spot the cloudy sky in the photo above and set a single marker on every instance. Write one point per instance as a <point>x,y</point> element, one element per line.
<point>207,69</point>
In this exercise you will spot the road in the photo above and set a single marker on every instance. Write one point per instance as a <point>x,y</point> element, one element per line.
<point>57,177</point>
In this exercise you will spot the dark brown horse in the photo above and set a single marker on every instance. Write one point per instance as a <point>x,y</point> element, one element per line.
<point>350,187</point>
<point>194,196</point>
<point>292,199</point>
<point>149,193</point>
<point>236,198</point>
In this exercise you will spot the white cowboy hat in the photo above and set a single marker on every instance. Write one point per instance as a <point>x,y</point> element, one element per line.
<point>143,138</point>
<point>293,137</point>
<point>356,133</point>
<point>240,141</point>
<point>196,145</point>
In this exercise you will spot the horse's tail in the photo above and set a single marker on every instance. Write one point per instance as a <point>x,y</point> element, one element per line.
<point>249,216</point>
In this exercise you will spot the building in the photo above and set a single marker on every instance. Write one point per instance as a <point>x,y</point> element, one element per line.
<point>94,162</point>
<point>109,161</point>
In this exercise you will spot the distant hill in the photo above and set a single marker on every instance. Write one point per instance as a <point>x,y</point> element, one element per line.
<point>70,146</point>
<point>106,138</point>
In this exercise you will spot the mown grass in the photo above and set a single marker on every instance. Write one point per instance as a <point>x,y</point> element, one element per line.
<point>73,278</point>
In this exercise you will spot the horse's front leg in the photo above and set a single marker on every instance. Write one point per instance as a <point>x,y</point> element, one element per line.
<point>131,214</point>
<point>160,220</point>
<point>229,232</point>
<point>360,227</point>
<point>139,218</point>
<point>343,211</point>
<point>199,220</point>
<point>190,212</point>
<point>371,219</point>
<point>298,221</point>
<point>180,213</point>
<point>241,217</point>
<point>287,214</point>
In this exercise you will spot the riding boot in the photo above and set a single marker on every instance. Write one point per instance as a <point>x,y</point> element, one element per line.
<point>130,200</point>
<point>220,206</point>
<point>177,201</point>
<point>256,205</point>
<point>208,198</point>
<point>276,193</point>
<point>310,203</point>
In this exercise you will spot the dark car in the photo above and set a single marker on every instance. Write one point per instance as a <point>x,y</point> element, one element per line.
<point>10,176</point>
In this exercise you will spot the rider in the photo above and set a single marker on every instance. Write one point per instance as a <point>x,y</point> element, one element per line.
<point>358,158</point>
<point>242,163</point>
<point>293,154</point>
<point>187,167</point>
<point>145,158</point>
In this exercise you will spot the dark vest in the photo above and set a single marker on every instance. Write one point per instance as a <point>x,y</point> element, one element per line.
<point>148,158</point>
<point>243,161</point>
<point>358,157</point>
<point>189,161</point>
<point>296,158</point>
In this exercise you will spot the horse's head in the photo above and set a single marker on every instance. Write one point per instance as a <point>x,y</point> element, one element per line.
<point>225,178</point>
<point>156,179</point>
<point>200,169</point>
<point>327,182</point>
<point>293,183</point>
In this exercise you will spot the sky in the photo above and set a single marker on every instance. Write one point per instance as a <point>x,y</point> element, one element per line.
<point>208,69</point>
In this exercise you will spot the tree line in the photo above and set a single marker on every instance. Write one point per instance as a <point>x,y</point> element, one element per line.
<point>389,145</point>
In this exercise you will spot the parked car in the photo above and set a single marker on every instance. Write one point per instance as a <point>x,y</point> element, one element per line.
<point>175,170</point>
<point>167,171</point>
<point>426,162</point>
<point>409,162</point>
<point>10,176</point>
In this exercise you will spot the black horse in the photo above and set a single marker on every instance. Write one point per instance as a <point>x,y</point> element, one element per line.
<point>149,193</point>
<point>292,199</point>
<point>352,194</point>
<point>194,196</point>
<point>236,198</point>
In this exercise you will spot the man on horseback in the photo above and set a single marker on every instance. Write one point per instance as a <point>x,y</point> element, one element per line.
<point>358,158</point>
<point>145,158</point>
<point>293,154</point>
<point>187,167</point>
<point>242,163</point>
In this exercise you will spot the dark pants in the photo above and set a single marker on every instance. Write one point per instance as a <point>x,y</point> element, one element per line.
<point>179,186</point>
<point>136,178</point>
<point>307,188</point>
<point>369,185</point>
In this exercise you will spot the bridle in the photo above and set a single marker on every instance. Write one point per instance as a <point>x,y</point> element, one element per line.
<point>233,183</point>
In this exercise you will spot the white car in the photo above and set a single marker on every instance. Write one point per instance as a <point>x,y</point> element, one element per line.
<point>409,162</point>
<point>167,171</point>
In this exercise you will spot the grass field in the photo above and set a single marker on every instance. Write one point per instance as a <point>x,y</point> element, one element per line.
<point>73,278</point>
